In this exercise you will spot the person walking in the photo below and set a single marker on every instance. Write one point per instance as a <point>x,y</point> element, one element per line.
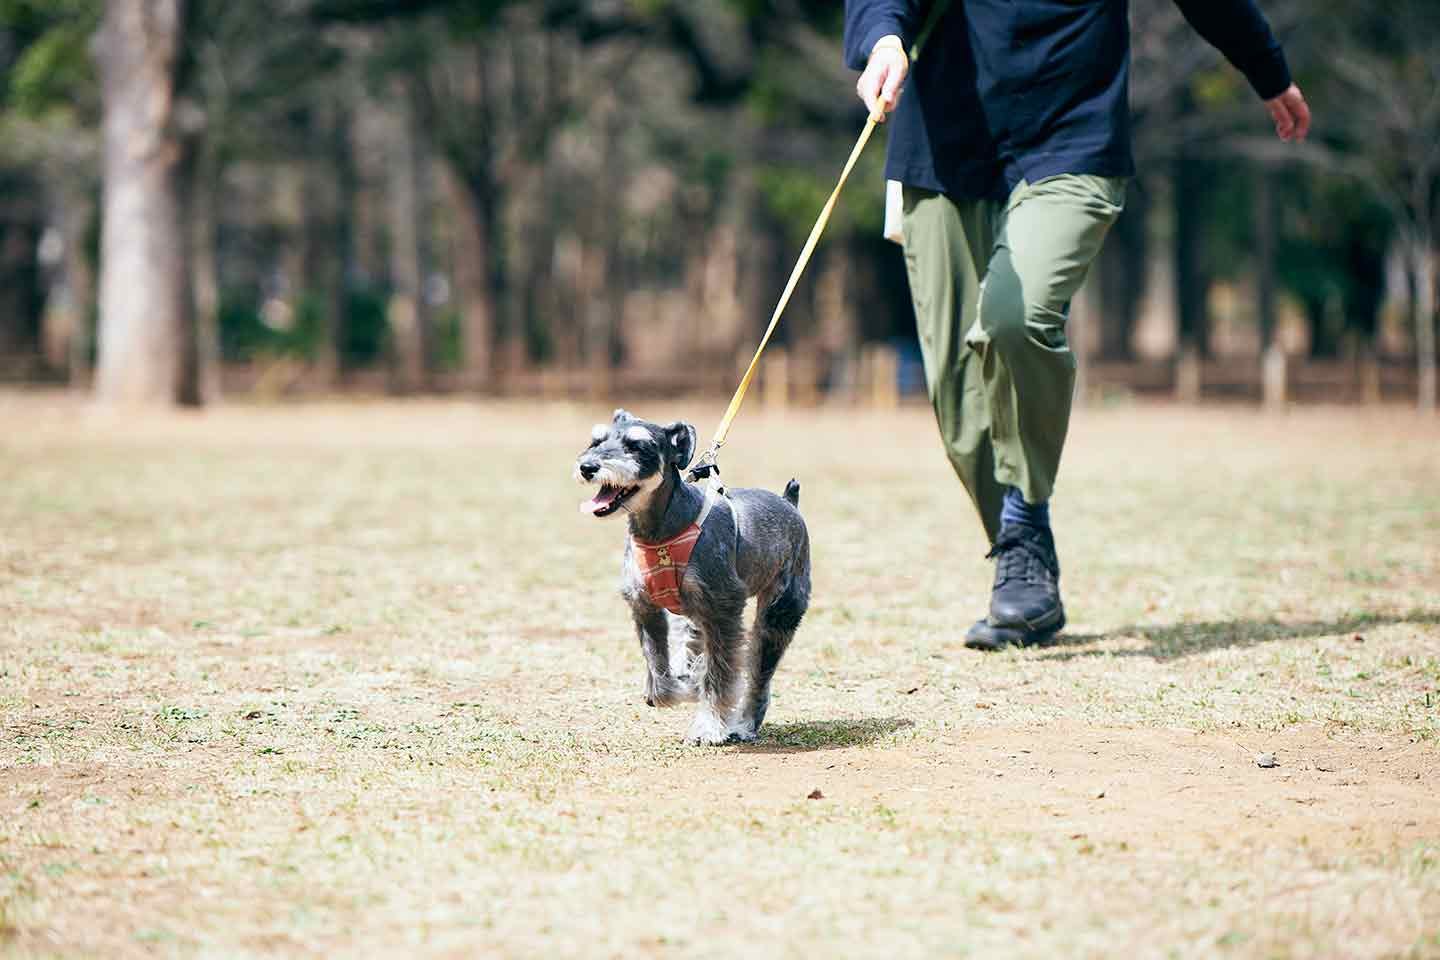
<point>1011,136</point>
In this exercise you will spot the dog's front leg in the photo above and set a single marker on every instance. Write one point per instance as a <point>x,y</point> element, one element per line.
<point>661,688</point>
<point>722,638</point>
<point>653,631</point>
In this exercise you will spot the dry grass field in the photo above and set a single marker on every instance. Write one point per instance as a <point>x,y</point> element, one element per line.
<point>355,680</point>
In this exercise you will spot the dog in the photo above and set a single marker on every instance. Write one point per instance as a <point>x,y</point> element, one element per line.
<point>693,557</point>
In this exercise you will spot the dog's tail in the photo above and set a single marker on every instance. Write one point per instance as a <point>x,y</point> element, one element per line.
<point>792,492</point>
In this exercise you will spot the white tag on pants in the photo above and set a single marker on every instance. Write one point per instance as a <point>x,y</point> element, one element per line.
<point>894,210</point>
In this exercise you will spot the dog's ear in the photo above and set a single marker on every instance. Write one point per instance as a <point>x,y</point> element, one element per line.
<point>680,443</point>
<point>621,415</point>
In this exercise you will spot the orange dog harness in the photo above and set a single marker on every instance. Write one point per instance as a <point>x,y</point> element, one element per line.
<point>663,565</point>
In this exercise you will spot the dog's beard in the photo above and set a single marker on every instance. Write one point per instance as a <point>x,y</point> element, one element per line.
<point>641,500</point>
<point>621,489</point>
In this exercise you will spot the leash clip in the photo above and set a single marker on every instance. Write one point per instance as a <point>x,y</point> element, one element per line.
<point>706,465</point>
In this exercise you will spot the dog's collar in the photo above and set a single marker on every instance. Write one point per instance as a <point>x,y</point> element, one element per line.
<point>663,564</point>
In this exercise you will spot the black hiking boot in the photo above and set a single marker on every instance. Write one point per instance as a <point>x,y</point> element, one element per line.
<point>983,635</point>
<point>1025,605</point>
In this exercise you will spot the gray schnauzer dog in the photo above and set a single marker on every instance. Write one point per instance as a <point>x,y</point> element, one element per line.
<point>692,559</point>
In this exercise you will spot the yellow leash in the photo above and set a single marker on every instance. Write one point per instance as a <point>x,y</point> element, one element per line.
<point>706,464</point>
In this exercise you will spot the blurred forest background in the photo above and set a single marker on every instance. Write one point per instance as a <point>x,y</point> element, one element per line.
<point>574,198</point>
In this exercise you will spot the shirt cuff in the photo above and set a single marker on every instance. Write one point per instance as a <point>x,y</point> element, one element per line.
<point>884,29</point>
<point>1268,73</point>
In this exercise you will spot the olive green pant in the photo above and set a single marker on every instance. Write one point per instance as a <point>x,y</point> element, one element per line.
<point>992,284</point>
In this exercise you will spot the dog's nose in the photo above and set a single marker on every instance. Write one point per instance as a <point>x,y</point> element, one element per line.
<point>589,469</point>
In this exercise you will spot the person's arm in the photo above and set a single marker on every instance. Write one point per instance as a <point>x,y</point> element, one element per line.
<point>877,35</point>
<point>1239,30</point>
<point>868,21</point>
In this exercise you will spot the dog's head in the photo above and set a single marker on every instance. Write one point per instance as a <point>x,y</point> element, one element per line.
<point>629,459</point>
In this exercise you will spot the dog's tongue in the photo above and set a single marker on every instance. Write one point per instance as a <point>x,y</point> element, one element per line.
<point>600,501</point>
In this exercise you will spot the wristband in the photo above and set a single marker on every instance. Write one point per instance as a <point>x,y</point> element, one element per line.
<point>890,40</point>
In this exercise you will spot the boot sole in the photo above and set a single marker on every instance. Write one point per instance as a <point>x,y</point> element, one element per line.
<point>1052,621</point>
<point>984,635</point>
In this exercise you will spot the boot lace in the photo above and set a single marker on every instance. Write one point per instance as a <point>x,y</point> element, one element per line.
<point>1020,554</point>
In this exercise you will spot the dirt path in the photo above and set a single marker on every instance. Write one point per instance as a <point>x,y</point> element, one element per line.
<point>1107,785</point>
<point>307,682</point>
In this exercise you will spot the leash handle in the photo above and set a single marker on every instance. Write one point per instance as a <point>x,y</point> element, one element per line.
<point>809,248</point>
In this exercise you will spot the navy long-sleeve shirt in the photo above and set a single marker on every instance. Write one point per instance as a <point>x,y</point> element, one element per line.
<point>1006,90</point>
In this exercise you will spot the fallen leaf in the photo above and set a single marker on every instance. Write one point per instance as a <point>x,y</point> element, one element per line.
<point>815,795</point>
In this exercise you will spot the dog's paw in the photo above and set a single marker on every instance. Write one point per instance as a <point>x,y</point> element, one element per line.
<point>707,730</point>
<point>744,734</point>
<point>761,708</point>
<point>744,727</point>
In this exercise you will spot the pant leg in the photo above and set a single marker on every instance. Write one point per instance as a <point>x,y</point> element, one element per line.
<point>947,244</point>
<point>1051,232</point>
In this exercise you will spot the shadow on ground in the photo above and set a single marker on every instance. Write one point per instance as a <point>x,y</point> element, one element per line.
<point>1172,641</point>
<point>824,734</point>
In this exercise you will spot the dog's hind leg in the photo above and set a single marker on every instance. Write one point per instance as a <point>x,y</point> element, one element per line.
<point>722,637</point>
<point>775,623</point>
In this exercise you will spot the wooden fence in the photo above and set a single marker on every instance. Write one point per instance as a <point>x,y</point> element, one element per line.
<point>876,375</point>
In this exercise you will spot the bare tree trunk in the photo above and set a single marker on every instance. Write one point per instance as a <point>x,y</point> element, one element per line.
<point>540,319</point>
<point>473,241</point>
<point>1119,274</point>
<point>425,248</point>
<point>200,359</point>
<point>1191,286</point>
<point>66,335</point>
<point>604,335</point>
<point>1424,259</point>
<point>1369,365</point>
<point>1272,352</point>
<point>406,329</point>
<point>80,279</point>
<point>332,233</point>
<point>1189,374</point>
<point>207,298</point>
<point>143,276</point>
<point>21,288</point>
<point>190,383</point>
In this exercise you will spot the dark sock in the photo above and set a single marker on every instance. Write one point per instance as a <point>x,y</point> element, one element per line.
<point>1016,510</point>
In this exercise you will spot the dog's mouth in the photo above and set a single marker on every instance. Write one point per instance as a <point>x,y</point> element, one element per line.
<point>610,498</point>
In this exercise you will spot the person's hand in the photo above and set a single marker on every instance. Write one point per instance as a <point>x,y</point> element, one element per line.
<point>884,77</point>
<point>1290,113</point>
